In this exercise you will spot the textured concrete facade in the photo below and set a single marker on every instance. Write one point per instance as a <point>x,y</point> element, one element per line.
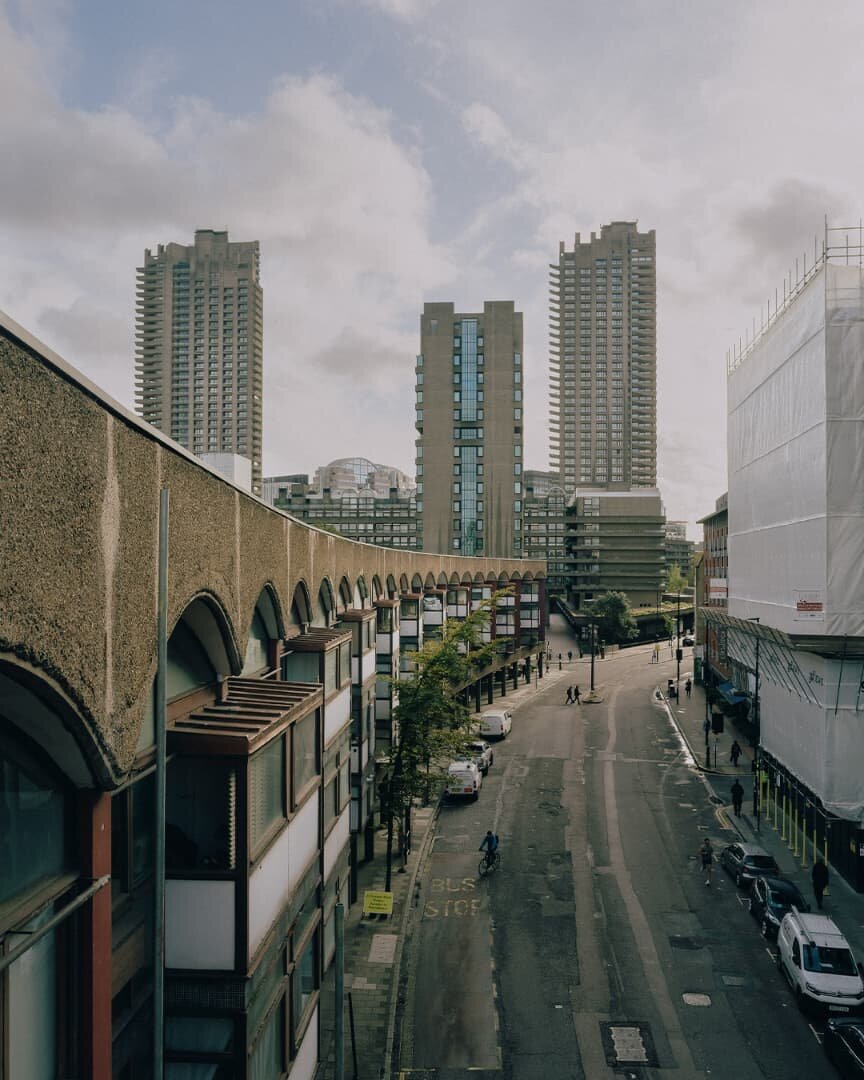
<point>78,547</point>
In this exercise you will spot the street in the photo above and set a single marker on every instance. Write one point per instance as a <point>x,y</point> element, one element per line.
<point>596,950</point>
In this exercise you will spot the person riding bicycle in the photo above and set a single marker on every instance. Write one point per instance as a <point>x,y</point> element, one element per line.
<point>490,843</point>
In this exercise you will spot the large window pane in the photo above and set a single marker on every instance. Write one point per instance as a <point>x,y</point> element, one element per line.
<point>266,790</point>
<point>268,1057</point>
<point>305,751</point>
<point>200,830</point>
<point>305,979</point>
<point>32,826</point>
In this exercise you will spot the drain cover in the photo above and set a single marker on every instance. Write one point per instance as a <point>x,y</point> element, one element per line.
<point>702,1000</point>
<point>628,1043</point>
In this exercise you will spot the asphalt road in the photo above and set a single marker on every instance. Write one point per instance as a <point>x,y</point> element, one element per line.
<point>596,950</point>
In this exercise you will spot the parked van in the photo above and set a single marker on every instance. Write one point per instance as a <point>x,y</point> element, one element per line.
<point>816,959</point>
<point>463,780</point>
<point>495,724</point>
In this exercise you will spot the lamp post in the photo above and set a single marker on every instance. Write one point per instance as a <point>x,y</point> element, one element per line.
<point>593,640</point>
<point>678,646</point>
<point>756,762</point>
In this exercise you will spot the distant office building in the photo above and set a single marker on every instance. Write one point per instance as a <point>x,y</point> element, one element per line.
<point>199,350</point>
<point>679,550</point>
<point>603,360</point>
<point>543,525</point>
<point>615,541</point>
<point>358,473</point>
<point>279,487</point>
<point>358,505</point>
<point>711,591</point>
<point>469,411</point>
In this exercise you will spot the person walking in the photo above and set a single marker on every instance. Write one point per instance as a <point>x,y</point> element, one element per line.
<point>706,854</point>
<point>820,878</point>
<point>737,797</point>
<point>688,687</point>
<point>569,656</point>
<point>569,700</point>
<point>734,753</point>
<point>576,699</point>
<point>655,659</point>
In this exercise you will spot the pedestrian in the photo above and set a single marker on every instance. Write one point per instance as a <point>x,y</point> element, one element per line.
<point>576,699</point>
<point>688,686</point>
<point>706,727</point>
<point>569,656</point>
<point>820,877</point>
<point>737,797</point>
<point>706,854</point>
<point>656,657</point>
<point>734,753</point>
<point>602,651</point>
<point>569,700</point>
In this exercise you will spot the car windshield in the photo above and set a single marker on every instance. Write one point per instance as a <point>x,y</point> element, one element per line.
<point>760,862</point>
<point>819,958</point>
<point>784,899</point>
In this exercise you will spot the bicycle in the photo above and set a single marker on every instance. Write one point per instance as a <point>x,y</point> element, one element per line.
<point>489,863</point>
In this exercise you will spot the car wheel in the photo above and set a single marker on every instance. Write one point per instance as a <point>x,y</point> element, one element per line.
<point>475,796</point>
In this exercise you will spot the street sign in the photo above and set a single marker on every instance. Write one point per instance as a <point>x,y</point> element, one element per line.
<point>377,903</point>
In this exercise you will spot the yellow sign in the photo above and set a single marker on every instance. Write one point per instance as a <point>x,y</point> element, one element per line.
<point>377,903</point>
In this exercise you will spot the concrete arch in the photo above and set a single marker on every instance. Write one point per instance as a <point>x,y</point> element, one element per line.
<point>301,605</point>
<point>206,618</point>
<point>346,595</point>
<point>269,606</point>
<point>416,583</point>
<point>454,579</point>
<point>466,579</point>
<point>361,592</point>
<point>391,586</point>
<point>443,580</point>
<point>430,581</point>
<point>326,606</point>
<point>377,590</point>
<point>265,626</point>
<point>479,578</point>
<point>404,584</point>
<point>34,704</point>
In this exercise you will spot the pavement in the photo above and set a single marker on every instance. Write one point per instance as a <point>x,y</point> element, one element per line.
<point>374,945</point>
<point>841,902</point>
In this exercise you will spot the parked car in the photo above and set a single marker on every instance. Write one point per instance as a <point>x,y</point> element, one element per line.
<point>747,861</point>
<point>481,754</point>
<point>688,639</point>
<point>770,899</point>
<point>844,1045</point>
<point>818,964</point>
<point>464,780</point>
<point>495,723</point>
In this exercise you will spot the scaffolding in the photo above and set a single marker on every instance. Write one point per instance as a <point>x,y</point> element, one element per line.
<point>843,245</point>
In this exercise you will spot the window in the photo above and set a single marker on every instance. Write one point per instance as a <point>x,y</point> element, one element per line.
<point>517,469</point>
<point>517,414</point>
<point>457,487</point>
<point>304,983</point>
<point>457,507</point>
<point>304,761</point>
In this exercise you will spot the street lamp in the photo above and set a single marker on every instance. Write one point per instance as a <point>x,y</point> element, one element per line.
<point>678,646</point>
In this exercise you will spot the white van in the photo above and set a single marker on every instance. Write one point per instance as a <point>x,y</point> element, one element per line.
<point>463,780</point>
<point>495,724</point>
<point>816,959</point>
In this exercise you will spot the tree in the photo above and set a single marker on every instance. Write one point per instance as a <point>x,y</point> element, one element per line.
<point>676,582</point>
<point>433,724</point>
<point>614,618</point>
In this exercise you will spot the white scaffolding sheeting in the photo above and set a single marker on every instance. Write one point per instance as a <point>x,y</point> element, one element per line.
<point>795,445</point>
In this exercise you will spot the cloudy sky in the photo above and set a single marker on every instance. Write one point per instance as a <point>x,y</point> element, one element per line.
<point>389,152</point>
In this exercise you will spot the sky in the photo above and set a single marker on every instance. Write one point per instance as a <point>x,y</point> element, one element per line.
<point>386,153</point>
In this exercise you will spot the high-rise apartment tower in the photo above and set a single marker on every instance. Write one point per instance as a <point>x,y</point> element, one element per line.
<point>469,425</point>
<point>199,354</point>
<point>603,360</point>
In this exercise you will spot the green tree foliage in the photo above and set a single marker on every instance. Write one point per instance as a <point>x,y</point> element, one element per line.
<point>432,723</point>
<point>615,620</point>
<point>676,582</point>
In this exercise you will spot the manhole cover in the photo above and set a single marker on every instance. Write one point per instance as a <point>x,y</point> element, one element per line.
<point>700,1000</point>
<point>734,980</point>
<point>681,941</point>
<point>627,1043</point>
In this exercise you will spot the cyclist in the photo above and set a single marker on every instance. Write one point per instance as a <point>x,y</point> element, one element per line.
<point>490,843</point>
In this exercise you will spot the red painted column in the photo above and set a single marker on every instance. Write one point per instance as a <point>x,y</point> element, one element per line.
<point>96,936</point>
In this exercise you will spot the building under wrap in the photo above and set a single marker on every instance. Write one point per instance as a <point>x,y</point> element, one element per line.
<point>796,533</point>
